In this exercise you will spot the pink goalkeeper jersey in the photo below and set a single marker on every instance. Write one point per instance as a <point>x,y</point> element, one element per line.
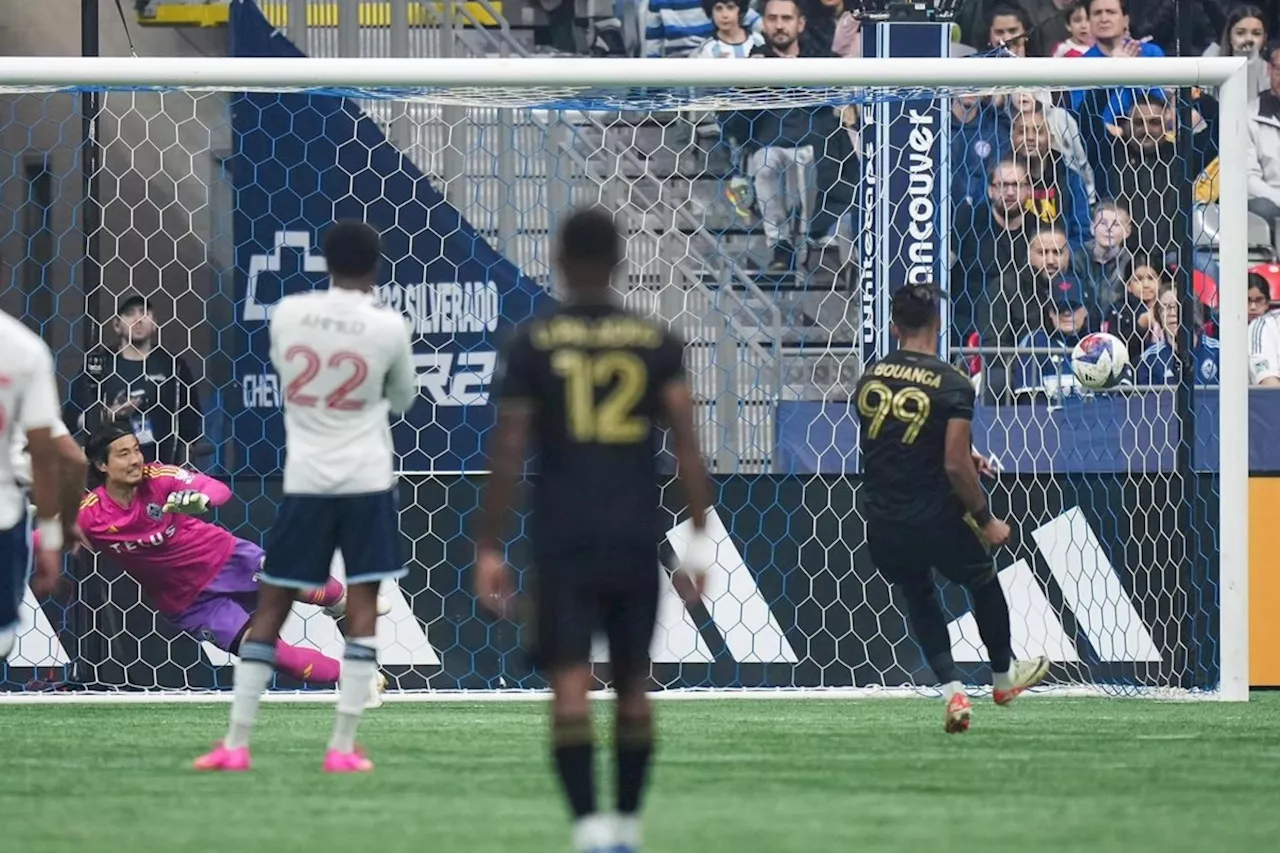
<point>171,556</point>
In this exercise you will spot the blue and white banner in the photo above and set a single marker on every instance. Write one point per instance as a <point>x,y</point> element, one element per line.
<point>303,161</point>
<point>905,196</point>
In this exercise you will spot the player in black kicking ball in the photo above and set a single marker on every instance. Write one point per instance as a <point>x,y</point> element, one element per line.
<point>924,503</point>
<point>590,385</point>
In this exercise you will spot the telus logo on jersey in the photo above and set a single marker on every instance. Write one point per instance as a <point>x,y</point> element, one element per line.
<point>152,541</point>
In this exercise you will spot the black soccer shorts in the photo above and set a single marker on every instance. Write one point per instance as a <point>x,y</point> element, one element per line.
<point>952,546</point>
<point>575,595</point>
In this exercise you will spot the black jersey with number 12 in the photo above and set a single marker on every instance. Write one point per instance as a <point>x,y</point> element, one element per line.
<point>904,402</point>
<point>594,375</point>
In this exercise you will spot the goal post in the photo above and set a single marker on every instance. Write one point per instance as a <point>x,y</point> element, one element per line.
<point>774,632</point>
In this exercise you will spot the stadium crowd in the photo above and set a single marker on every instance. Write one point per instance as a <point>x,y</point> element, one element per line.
<point>1067,207</point>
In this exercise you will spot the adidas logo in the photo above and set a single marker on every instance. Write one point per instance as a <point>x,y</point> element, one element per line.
<point>1091,589</point>
<point>741,615</point>
<point>401,638</point>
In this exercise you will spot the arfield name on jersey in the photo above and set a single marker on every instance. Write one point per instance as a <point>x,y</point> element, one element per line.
<point>447,308</point>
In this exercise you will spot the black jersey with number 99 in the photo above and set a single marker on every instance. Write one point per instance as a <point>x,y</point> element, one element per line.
<point>904,402</point>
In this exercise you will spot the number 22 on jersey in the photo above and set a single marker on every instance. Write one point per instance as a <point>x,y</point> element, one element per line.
<point>612,420</point>
<point>353,366</point>
<point>877,402</point>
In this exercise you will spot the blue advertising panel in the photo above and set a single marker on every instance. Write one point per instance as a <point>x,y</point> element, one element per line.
<point>303,161</point>
<point>1120,434</point>
<point>905,195</point>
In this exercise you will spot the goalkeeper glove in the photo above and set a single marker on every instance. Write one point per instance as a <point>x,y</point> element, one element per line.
<point>187,502</point>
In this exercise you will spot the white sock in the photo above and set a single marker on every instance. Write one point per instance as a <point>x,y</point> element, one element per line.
<point>1003,680</point>
<point>253,673</point>
<point>627,831</point>
<point>950,689</point>
<point>359,663</point>
<point>593,832</point>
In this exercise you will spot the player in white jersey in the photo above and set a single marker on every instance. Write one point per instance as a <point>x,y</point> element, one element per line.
<point>29,409</point>
<point>346,363</point>
<point>1264,333</point>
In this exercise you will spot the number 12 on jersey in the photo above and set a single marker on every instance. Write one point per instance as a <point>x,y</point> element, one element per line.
<point>877,401</point>
<point>612,420</point>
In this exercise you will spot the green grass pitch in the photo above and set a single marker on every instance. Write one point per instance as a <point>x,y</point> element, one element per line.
<point>733,776</point>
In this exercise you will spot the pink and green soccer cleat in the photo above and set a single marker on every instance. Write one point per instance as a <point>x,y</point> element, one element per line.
<point>224,760</point>
<point>346,762</point>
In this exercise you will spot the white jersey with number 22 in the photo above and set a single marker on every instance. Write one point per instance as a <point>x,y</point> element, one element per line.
<point>345,364</point>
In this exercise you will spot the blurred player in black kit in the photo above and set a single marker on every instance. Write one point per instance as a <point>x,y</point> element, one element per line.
<point>924,503</point>
<point>590,385</point>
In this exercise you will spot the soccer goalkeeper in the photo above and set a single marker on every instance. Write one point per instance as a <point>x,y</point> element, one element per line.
<point>197,574</point>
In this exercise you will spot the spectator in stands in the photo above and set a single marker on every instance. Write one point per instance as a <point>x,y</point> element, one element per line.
<point>784,144</point>
<point>1064,132</point>
<point>1159,19</point>
<point>1007,29</point>
<point>1164,362</point>
<point>1265,278</point>
<point>1058,194</point>
<point>1264,333</point>
<point>1109,20</point>
<point>1041,21</point>
<point>1106,259</point>
<point>1130,318</point>
<point>1245,35</point>
<point>141,385</point>
<point>732,38</point>
<point>831,26</point>
<point>1016,300</point>
<point>980,134</point>
<point>988,240</point>
<point>1146,174</point>
<point>1079,32</point>
<point>1264,147</point>
<point>679,27</point>
<point>1067,318</point>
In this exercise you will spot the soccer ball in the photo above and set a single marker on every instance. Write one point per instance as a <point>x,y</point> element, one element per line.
<point>1099,361</point>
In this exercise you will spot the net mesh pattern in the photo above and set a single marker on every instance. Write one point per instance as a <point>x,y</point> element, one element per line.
<point>767,227</point>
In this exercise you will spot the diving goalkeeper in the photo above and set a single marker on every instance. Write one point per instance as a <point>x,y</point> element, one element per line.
<point>196,574</point>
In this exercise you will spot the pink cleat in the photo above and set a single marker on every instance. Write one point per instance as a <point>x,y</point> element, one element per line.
<point>223,759</point>
<point>346,762</point>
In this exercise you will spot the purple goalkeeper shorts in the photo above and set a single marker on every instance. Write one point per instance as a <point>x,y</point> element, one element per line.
<point>221,611</point>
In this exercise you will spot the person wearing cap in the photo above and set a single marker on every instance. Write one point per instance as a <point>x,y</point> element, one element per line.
<point>1164,361</point>
<point>1067,320</point>
<point>140,384</point>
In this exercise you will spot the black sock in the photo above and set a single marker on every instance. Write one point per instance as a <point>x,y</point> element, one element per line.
<point>575,763</point>
<point>992,614</point>
<point>929,625</point>
<point>633,741</point>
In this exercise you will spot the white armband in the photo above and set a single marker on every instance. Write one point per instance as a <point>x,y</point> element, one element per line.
<point>50,530</point>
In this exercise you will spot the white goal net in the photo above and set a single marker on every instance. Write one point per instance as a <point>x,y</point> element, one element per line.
<point>770,208</point>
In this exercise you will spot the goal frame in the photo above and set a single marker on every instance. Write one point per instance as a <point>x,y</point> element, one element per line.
<point>410,77</point>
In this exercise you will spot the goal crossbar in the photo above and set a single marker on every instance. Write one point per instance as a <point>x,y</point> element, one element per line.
<point>274,72</point>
